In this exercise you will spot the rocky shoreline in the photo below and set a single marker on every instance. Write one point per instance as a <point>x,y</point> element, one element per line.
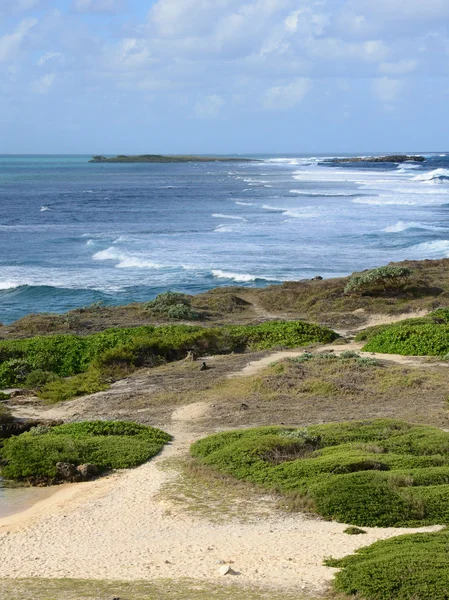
<point>394,158</point>
<point>157,158</point>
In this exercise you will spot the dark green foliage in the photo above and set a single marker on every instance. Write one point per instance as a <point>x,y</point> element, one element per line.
<point>5,414</point>
<point>351,530</point>
<point>107,444</point>
<point>440,315</point>
<point>36,380</point>
<point>410,567</point>
<point>411,339</point>
<point>173,305</point>
<point>376,280</point>
<point>369,473</point>
<point>72,387</point>
<point>66,355</point>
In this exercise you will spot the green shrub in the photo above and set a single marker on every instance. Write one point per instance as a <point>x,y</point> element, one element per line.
<point>72,387</point>
<point>354,530</point>
<point>173,305</point>
<point>106,444</point>
<point>368,473</point>
<point>115,350</point>
<point>408,567</point>
<point>440,315</point>
<point>38,379</point>
<point>376,280</point>
<point>411,340</point>
<point>5,414</point>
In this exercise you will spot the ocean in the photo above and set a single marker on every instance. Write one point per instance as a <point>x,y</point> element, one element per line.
<point>73,233</point>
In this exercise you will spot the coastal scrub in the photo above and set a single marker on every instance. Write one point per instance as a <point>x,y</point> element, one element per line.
<point>378,473</point>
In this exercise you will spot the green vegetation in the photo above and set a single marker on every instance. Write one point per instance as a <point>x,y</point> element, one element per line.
<point>369,473</point>
<point>351,530</point>
<point>376,280</point>
<point>408,567</point>
<point>158,158</point>
<point>106,444</point>
<point>174,306</point>
<point>410,339</point>
<point>100,358</point>
<point>5,414</point>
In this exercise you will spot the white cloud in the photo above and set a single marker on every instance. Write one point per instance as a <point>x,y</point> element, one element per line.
<point>287,96</point>
<point>97,6</point>
<point>42,85</point>
<point>209,107</point>
<point>387,90</point>
<point>48,56</point>
<point>11,42</point>
<point>402,67</point>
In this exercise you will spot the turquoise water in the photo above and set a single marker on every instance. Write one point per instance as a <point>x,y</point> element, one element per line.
<point>73,233</point>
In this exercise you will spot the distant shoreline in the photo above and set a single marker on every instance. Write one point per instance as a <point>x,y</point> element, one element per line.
<point>158,158</point>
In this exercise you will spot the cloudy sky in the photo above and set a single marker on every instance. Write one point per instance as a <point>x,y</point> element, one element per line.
<point>274,76</point>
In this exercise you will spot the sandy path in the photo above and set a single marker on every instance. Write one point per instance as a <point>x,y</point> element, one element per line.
<point>414,361</point>
<point>118,528</point>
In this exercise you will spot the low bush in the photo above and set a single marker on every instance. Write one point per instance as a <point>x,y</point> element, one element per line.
<point>71,387</point>
<point>367,473</point>
<point>38,379</point>
<point>376,280</point>
<point>409,567</point>
<point>173,305</point>
<point>115,351</point>
<point>411,339</point>
<point>106,444</point>
<point>440,315</point>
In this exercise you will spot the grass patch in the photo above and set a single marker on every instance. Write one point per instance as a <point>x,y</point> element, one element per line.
<point>383,473</point>
<point>32,456</point>
<point>179,589</point>
<point>411,567</point>
<point>115,353</point>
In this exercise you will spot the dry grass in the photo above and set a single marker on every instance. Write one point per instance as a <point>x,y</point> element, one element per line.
<point>320,301</point>
<point>202,491</point>
<point>79,589</point>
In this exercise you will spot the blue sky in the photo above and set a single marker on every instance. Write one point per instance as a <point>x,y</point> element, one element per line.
<point>251,76</point>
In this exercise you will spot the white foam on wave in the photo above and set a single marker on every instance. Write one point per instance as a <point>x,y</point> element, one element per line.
<point>10,285</point>
<point>240,277</point>
<point>323,194</point>
<point>244,203</point>
<point>125,260</point>
<point>233,217</point>
<point>45,209</point>
<point>404,225</point>
<point>433,176</point>
<point>224,229</point>
<point>306,212</point>
<point>438,248</point>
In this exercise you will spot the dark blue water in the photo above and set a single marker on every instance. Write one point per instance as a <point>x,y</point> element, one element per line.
<point>73,233</point>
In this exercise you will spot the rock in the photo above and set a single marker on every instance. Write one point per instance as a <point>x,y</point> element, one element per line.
<point>66,471</point>
<point>225,570</point>
<point>87,470</point>
<point>396,158</point>
<point>243,406</point>
<point>317,278</point>
<point>204,367</point>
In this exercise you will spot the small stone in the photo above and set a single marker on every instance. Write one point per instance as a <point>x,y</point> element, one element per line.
<point>220,562</point>
<point>225,570</point>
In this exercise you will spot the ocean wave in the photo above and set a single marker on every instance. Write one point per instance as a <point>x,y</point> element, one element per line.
<point>239,277</point>
<point>224,229</point>
<point>244,203</point>
<point>233,217</point>
<point>9,285</point>
<point>306,212</point>
<point>436,176</point>
<point>404,225</point>
<point>324,194</point>
<point>45,209</point>
<point>438,248</point>
<point>124,260</point>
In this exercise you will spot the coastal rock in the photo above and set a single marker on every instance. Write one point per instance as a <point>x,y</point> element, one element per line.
<point>66,471</point>
<point>87,470</point>
<point>224,570</point>
<point>393,158</point>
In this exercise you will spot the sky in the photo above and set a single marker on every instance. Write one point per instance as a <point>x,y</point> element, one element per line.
<point>223,76</point>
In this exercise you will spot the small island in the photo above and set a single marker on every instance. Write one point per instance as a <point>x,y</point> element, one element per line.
<point>395,158</point>
<point>158,158</point>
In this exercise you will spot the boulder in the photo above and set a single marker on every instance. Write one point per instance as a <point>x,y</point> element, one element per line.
<point>66,471</point>
<point>87,470</point>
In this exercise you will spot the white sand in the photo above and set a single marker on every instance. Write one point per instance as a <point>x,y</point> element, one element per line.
<point>118,528</point>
